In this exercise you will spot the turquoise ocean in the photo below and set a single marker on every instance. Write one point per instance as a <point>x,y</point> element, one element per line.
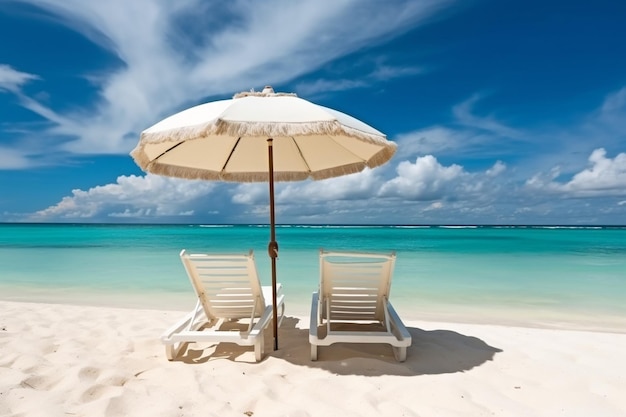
<point>572,277</point>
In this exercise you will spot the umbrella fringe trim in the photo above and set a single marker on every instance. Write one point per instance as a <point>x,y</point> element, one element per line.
<point>243,129</point>
<point>140,157</point>
<point>274,130</point>
<point>381,157</point>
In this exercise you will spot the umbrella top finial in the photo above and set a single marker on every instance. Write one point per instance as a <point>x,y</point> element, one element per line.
<point>268,91</point>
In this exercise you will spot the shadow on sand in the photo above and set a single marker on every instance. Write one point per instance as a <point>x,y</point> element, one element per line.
<point>432,352</point>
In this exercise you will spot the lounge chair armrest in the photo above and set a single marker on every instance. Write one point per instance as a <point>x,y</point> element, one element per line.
<point>398,324</point>
<point>262,322</point>
<point>314,317</point>
<point>180,325</point>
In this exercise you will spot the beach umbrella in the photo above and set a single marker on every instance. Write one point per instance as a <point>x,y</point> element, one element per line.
<point>257,137</point>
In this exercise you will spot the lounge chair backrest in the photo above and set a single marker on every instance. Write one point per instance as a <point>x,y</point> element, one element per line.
<point>355,284</point>
<point>227,285</point>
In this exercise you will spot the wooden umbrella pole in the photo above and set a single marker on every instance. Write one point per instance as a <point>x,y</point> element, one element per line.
<point>272,247</point>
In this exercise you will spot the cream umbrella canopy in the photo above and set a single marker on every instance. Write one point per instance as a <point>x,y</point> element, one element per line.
<point>258,137</point>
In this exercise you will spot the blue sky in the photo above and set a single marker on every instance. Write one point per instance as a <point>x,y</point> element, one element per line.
<point>504,112</point>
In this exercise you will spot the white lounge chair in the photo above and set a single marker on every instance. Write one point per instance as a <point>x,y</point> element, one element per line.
<point>354,292</point>
<point>228,290</point>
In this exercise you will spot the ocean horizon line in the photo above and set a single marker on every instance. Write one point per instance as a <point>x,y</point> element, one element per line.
<point>326,225</point>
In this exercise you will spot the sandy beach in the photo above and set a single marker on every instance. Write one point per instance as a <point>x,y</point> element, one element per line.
<point>67,360</point>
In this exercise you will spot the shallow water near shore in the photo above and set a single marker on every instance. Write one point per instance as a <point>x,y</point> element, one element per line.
<point>547,276</point>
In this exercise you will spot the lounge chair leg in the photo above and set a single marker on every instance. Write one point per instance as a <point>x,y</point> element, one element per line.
<point>169,352</point>
<point>258,348</point>
<point>174,349</point>
<point>400,353</point>
<point>313,352</point>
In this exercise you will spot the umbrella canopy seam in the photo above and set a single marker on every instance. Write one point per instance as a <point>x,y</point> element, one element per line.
<point>232,151</point>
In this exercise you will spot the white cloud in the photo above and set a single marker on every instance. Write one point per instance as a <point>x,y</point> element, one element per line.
<point>130,196</point>
<point>251,193</point>
<point>358,198</point>
<point>361,185</point>
<point>305,201</point>
<point>437,205</point>
<point>428,180</point>
<point>498,168</point>
<point>424,180</point>
<point>603,177</point>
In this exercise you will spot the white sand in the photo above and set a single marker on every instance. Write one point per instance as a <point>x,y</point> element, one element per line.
<point>62,360</point>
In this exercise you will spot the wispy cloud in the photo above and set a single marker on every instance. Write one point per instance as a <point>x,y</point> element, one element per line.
<point>465,115</point>
<point>372,72</point>
<point>466,135</point>
<point>12,80</point>
<point>326,86</point>
<point>443,140</point>
<point>164,66</point>
<point>606,127</point>
<point>13,159</point>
